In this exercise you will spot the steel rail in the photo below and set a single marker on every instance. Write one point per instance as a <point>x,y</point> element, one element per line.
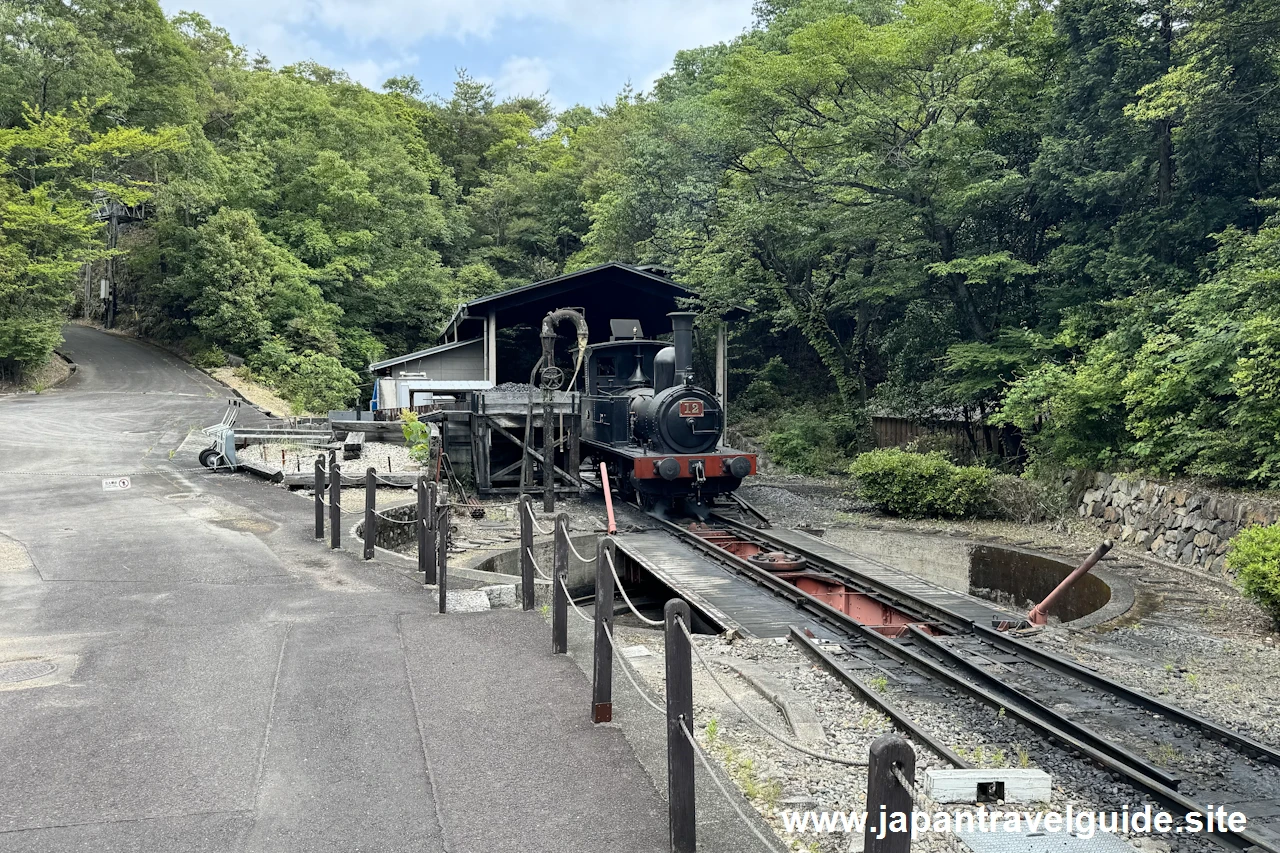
<point>875,698</point>
<point>813,606</point>
<point>922,663</point>
<point>1029,652</point>
<point>881,591</point>
<point>1017,701</point>
<point>1071,669</point>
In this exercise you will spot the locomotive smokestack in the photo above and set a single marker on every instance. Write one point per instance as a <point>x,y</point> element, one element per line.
<point>682,327</point>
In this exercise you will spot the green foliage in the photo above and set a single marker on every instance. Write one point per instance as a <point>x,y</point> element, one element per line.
<point>1255,558</point>
<point>417,436</point>
<point>210,358</point>
<point>814,441</point>
<point>916,485</point>
<point>315,382</point>
<point>945,210</point>
<point>52,166</point>
<point>1204,391</point>
<point>242,288</point>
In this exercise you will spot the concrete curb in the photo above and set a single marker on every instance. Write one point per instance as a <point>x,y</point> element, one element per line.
<point>802,719</point>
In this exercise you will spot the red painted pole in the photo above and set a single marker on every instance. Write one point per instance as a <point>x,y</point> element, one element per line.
<point>1039,614</point>
<point>608,499</point>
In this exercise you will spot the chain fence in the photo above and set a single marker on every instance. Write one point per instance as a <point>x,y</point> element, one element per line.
<point>729,798</point>
<point>536,567</point>
<point>618,581</point>
<point>771,732</point>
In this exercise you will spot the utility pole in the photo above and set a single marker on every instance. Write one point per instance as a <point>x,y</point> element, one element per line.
<point>113,237</point>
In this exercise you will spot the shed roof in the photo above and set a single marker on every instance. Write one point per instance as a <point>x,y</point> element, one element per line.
<point>400,359</point>
<point>605,292</point>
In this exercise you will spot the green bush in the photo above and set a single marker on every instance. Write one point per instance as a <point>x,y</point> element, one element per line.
<point>314,382</point>
<point>814,442</point>
<point>210,358</point>
<point>417,436</point>
<point>1255,558</point>
<point>921,484</point>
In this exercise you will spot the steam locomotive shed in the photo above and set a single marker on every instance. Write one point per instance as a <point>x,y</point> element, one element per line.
<point>532,386</point>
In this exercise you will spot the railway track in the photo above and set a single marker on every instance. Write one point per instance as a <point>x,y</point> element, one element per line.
<point>1188,763</point>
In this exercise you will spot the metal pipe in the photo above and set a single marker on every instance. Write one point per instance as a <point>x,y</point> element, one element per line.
<point>608,498</point>
<point>1039,614</point>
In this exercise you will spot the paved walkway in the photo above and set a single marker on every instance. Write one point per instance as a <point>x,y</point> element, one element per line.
<point>225,683</point>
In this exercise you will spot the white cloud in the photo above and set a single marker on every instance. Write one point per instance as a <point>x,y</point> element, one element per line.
<point>523,75</point>
<point>660,23</point>
<point>373,39</point>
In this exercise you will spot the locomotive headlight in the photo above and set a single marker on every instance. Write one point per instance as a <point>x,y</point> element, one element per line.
<point>668,469</point>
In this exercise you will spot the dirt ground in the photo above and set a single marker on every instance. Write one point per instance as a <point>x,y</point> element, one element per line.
<point>53,372</point>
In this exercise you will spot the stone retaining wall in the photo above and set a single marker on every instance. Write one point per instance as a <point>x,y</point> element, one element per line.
<point>1191,526</point>
<point>393,536</point>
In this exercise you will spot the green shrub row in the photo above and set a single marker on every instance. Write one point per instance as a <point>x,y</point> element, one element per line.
<point>915,485</point>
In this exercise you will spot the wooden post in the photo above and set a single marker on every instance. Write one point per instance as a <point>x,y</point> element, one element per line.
<point>574,465</point>
<point>442,553</point>
<point>335,503</point>
<point>370,515</point>
<point>681,814</point>
<point>602,677</point>
<point>526,549</point>
<point>885,794</point>
<point>548,455</point>
<point>429,567</point>
<point>722,370</point>
<point>319,489</point>
<point>526,458</point>
<point>560,580</point>
<point>420,524</point>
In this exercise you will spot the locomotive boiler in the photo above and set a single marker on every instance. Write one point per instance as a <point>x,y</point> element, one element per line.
<point>658,432</point>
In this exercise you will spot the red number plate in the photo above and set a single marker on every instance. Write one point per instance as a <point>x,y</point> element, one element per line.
<point>690,408</point>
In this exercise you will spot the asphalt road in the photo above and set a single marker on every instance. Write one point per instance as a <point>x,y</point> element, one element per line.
<point>199,674</point>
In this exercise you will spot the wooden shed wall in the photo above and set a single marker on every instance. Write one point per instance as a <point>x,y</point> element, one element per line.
<point>461,362</point>
<point>899,432</point>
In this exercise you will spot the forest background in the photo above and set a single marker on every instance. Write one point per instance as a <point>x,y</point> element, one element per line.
<point>1056,217</point>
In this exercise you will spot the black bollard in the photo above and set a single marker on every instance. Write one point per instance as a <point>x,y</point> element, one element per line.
<point>370,511</point>
<point>442,553</point>
<point>681,814</point>
<point>319,489</point>
<point>886,796</point>
<point>602,674</point>
<point>548,457</point>
<point>432,522</point>
<point>420,524</point>
<point>559,597</point>
<point>335,504</point>
<point>526,551</point>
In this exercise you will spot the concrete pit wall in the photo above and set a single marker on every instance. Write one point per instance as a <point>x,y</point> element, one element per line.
<point>1013,577</point>
<point>582,576</point>
<point>494,567</point>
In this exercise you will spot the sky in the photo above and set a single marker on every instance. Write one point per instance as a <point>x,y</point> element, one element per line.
<point>574,51</point>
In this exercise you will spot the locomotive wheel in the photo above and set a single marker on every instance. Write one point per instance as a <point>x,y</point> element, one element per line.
<point>209,457</point>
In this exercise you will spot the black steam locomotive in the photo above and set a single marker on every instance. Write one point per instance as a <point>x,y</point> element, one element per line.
<point>658,433</point>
